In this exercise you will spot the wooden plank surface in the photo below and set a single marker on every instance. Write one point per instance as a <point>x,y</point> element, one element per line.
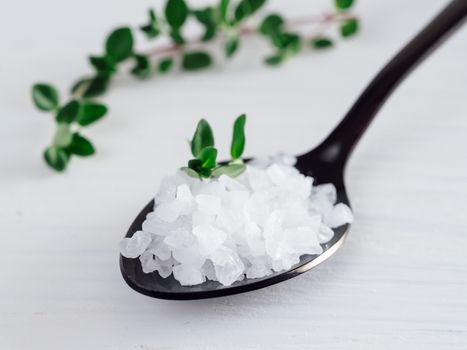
<point>400,280</point>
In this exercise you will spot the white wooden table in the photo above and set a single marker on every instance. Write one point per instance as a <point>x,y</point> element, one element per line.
<point>400,280</point>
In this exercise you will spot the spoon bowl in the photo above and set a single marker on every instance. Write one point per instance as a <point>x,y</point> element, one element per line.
<point>326,164</point>
<point>151,284</point>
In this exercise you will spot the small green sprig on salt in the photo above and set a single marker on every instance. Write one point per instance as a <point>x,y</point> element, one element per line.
<point>204,164</point>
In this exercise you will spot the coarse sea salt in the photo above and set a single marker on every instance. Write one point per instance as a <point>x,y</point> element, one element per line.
<point>225,229</point>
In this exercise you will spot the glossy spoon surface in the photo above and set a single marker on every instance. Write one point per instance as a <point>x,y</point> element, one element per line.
<point>326,163</point>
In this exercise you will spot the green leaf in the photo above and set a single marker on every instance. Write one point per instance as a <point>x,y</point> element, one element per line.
<point>194,164</point>
<point>80,146</point>
<point>238,137</point>
<point>293,44</point>
<point>56,158</point>
<point>152,16</point>
<point>224,11</point>
<point>45,97</point>
<point>119,44</point>
<point>205,172</point>
<point>232,170</point>
<point>343,4</point>
<point>91,112</point>
<point>150,31</point>
<point>177,36</point>
<point>207,17</point>
<point>349,27</point>
<point>208,157</point>
<point>321,43</point>
<point>190,172</point>
<point>202,138</point>
<point>176,13</point>
<point>246,8</point>
<point>287,42</point>
<point>274,60</point>
<point>91,87</point>
<point>231,46</point>
<point>62,137</point>
<point>165,64</point>
<point>103,65</point>
<point>142,68</point>
<point>69,113</point>
<point>196,60</point>
<point>271,24</point>
<point>209,33</point>
<point>152,28</point>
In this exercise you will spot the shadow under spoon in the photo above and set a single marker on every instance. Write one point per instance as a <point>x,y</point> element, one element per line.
<point>325,163</point>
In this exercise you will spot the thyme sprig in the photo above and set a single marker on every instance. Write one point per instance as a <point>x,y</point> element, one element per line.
<point>227,21</point>
<point>204,164</point>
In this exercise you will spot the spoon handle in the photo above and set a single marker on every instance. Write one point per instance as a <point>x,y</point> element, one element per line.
<point>337,147</point>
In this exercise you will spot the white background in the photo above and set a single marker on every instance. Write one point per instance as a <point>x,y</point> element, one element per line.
<point>399,281</point>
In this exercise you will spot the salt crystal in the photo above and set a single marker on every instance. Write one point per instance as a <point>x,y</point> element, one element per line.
<point>260,162</point>
<point>168,189</point>
<point>208,203</point>
<point>274,235</point>
<point>185,199</point>
<point>229,220</point>
<point>189,255</point>
<point>296,213</point>
<point>209,238</point>
<point>320,204</point>
<point>210,187</point>
<point>325,234</point>
<point>188,275</point>
<point>235,199</point>
<point>277,175</point>
<point>257,269</point>
<point>200,217</point>
<point>255,240</point>
<point>208,270</point>
<point>258,207</point>
<point>179,238</point>
<point>168,211</point>
<point>257,179</point>
<point>228,266</point>
<point>340,215</point>
<point>165,267</point>
<point>302,240</point>
<point>159,227</point>
<point>300,185</point>
<point>326,190</point>
<point>285,159</point>
<point>135,246</point>
<point>231,184</point>
<point>221,255</point>
<point>184,247</point>
<point>148,262</point>
<point>285,262</point>
<point>159,248</point>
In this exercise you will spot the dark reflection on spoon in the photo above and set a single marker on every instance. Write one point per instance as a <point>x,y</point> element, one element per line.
<point>325,163</point>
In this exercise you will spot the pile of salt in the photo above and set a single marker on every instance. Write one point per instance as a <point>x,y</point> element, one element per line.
<point>224,229</point>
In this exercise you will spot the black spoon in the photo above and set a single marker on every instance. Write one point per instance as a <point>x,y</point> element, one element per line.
<point>325,163</point>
